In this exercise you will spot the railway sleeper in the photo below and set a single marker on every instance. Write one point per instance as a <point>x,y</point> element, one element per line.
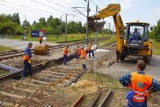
<point>29,84</point>
<point>37,82</point>
<point>45,79</point>
<point>7,104</point>
<point>56,73</point>
<point>12,95</point>
<point>50,75</point>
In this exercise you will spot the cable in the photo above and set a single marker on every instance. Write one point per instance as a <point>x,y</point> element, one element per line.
<point>94,3</point>
<point>72,18</point>
<point>100,2</point>
<point>21,9</point>
<point>28,7</point>
<point>46,5</point>
<point>58,4</point>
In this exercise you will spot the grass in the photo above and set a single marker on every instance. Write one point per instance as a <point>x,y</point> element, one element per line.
<point>156,47</point>
<point>110,40</point>
<point>4,48</point>
<point>3,72</point>
<point>60,38</point>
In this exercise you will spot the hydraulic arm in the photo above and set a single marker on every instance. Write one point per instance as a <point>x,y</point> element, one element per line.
<point>113,10</point>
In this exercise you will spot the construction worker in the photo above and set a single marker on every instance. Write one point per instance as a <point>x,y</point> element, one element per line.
<point>83,57</point>
<point>136,35</point>
<point>139,84</point>
<point>89,50</point>
<point>78,52</point>
<point>65,53</point>
<point>40,39</point>
<point>27,60</point>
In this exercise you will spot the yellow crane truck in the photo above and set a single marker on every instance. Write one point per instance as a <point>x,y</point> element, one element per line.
<point>126,45</point>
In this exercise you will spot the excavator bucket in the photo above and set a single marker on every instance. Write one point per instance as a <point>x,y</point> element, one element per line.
<point>95,26</point>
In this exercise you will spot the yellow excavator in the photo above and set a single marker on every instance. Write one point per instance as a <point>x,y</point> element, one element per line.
<point>128,43</point>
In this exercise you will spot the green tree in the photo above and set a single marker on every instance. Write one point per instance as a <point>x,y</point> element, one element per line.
<point>155,34</point>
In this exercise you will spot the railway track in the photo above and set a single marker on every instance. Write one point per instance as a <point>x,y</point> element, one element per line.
<point>37,91</point>
<point>20,53</point>
<point>100,96</point>
<point>16,53</point>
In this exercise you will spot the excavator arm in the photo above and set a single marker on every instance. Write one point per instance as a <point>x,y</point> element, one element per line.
<point>113,10</point>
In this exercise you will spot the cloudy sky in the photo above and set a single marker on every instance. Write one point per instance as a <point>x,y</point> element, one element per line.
<point>131,10</point>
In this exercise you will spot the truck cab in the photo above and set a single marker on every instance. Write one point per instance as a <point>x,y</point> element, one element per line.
<point>137,41</point>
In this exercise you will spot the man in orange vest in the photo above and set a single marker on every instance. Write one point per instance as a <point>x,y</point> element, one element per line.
<point>83,57</point>
<point>27,60</point>
<point>139,83</point>
<point>78,52</point>
<point>65,53</point>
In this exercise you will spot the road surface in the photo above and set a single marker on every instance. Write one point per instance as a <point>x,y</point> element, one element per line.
<point>18,44</point>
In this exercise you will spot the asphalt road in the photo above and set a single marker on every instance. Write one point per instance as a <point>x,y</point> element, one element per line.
<point>19,44</point>
<point>119,69</point>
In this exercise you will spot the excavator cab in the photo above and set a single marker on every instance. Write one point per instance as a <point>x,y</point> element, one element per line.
<point>137,41</point>
<point>136,34</point>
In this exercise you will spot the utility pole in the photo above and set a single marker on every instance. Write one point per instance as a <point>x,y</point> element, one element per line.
<point>87,30</point>
<point>96,31</point>
<point>25,27</point>
<point>94,51</point>
<point>66,29</point>
<point>109,28</point>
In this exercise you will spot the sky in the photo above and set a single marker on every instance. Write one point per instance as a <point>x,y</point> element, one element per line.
<point>131,10</point>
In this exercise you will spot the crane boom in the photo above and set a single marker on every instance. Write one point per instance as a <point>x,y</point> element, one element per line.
<point>113,10</point>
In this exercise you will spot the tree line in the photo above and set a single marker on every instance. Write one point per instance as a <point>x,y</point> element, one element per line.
<point>155,33</point>
<point>10,24</point>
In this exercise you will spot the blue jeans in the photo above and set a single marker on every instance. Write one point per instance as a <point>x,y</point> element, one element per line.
<point>27,66</point>
<point>91,51</point>
<point>65,59</point>
<point>136,104</point>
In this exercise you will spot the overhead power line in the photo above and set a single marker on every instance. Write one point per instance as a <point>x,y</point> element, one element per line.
<point>100,2</point>
<point>58,4</point>
<point>46,5</point>
<point>94,3</point>
<point>27,7</point>
<point>20,9</point>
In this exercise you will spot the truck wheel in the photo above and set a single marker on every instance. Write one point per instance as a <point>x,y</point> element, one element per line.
<point>147,59</point>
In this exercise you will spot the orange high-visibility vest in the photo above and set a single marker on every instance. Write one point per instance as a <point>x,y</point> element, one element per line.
<point>26,57</point>
<point>79,51</point>
<point>140,84</point>
<point>83,54</point>
<point>65,51</point>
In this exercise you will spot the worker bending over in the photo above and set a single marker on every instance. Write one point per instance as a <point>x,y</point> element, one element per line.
<point>27,60</point>
<point>83,57</point>
<point>65,53</point>
<point>139,84</point>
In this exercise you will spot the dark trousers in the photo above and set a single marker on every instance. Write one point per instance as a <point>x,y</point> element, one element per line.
<point>40,41</point>
<point>27,66</point>
<point>77,56</point>
<point>91,52</point>
<point>84,67</point>
<point>136,104</point>
<point>65,59</point>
